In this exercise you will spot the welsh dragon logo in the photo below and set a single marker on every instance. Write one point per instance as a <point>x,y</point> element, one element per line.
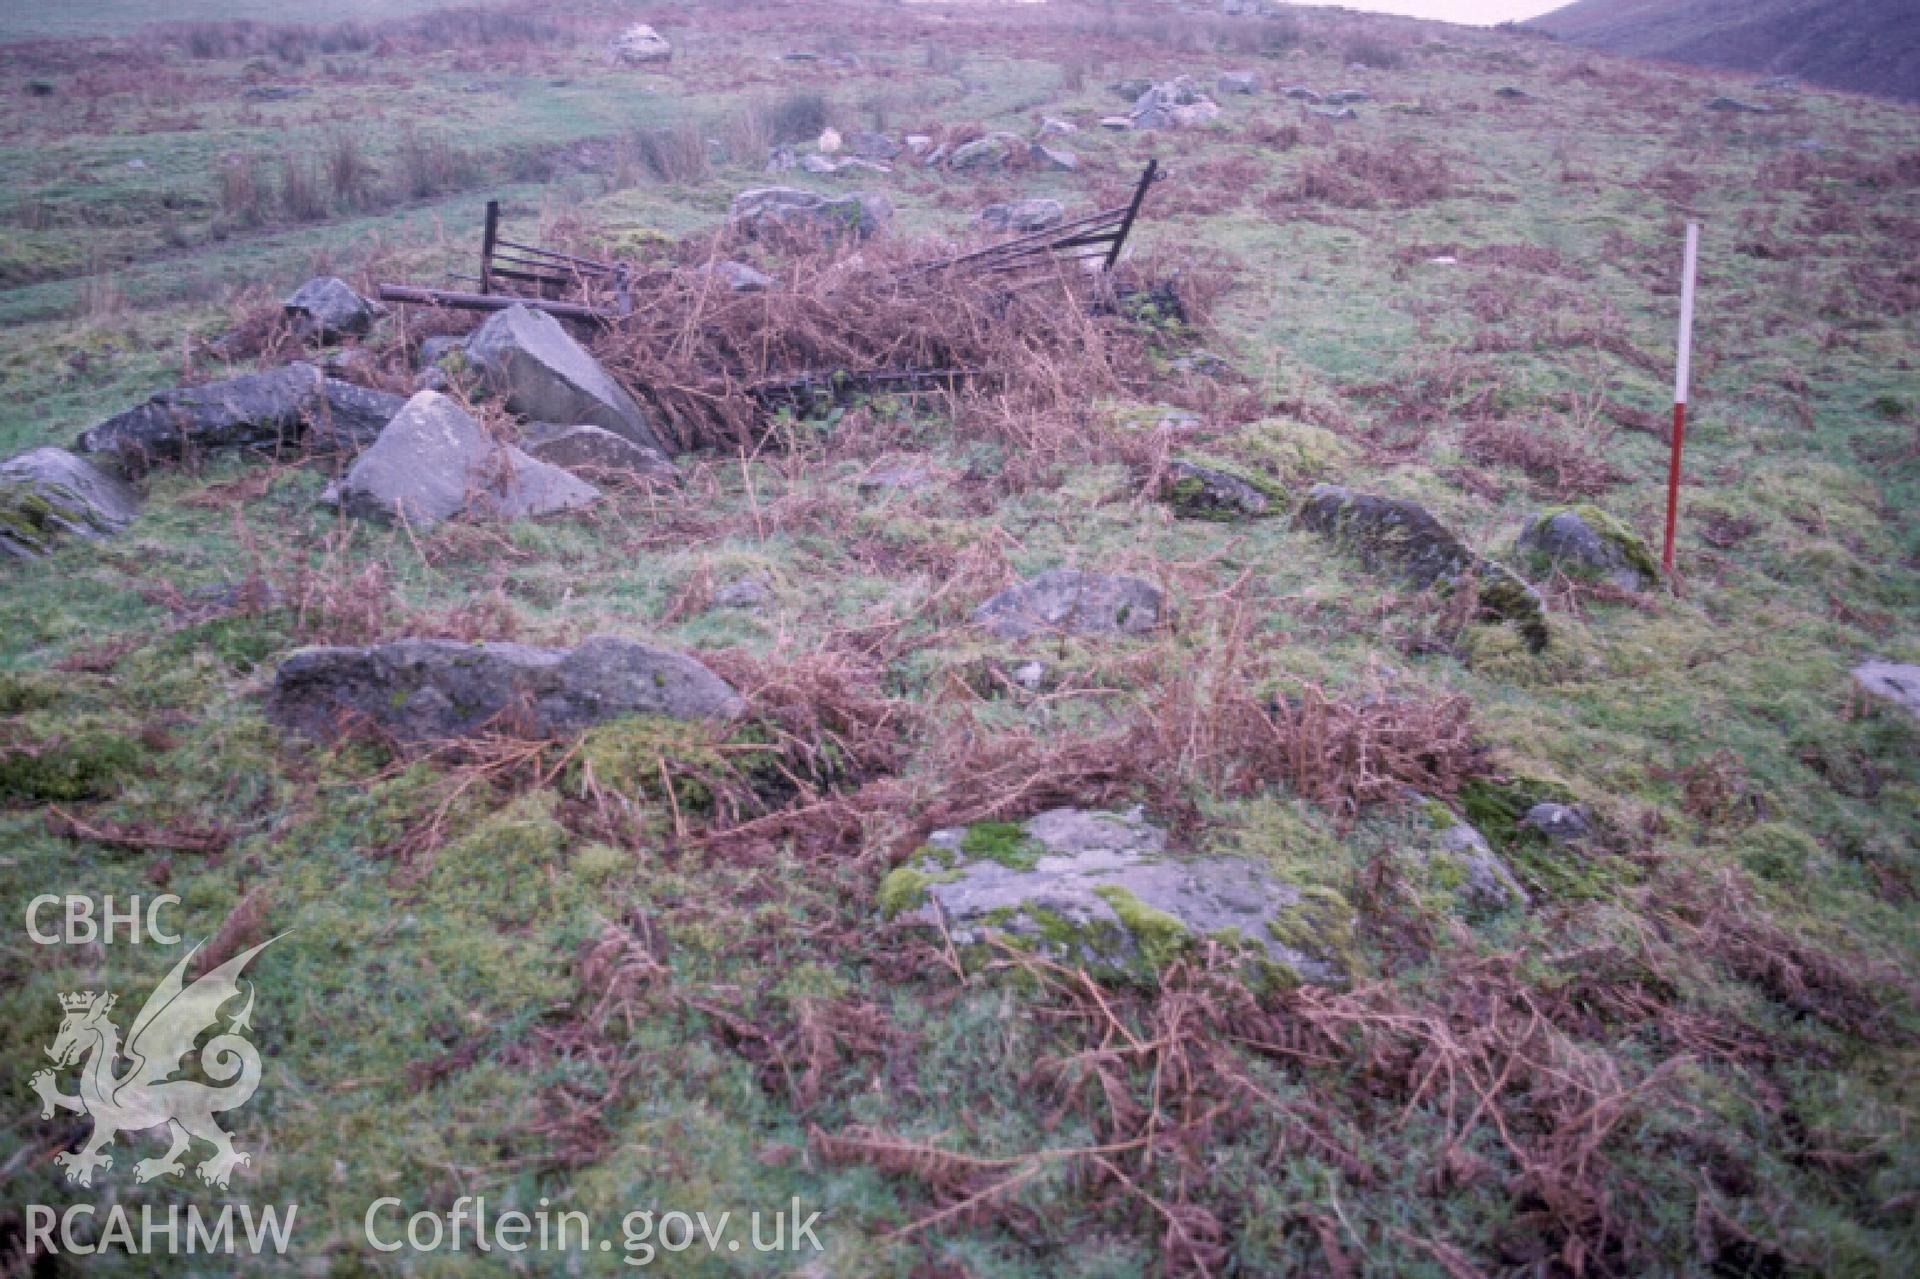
<point>146,1095</point>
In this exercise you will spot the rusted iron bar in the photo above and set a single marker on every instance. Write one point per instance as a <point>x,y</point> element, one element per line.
<point>841,385</point>
<point>487,240</point>
<point>408,293</point>
<point>1133,211</point>
<point>585,264</point>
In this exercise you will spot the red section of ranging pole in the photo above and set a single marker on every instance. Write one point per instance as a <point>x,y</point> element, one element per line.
<point>1683,371</point>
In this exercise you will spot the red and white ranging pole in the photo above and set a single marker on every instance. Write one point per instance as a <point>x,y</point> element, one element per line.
<point>1683,372</point>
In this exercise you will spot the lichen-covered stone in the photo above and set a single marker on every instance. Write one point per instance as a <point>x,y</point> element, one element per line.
<point>1211,491</point>
<point>1585,542</point>
<point>327,308</point>
<point>1403,538</point>
<point>434,689</point>
<point>1485,883</point>
<point>48,494</point>
<point>598,454</point>
<point>1100,890</point>
<point>1893,682</point>
<point>1071,602</point>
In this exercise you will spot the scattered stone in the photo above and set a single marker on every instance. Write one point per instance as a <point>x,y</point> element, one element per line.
<point>1118,123</point>
<point>818,163</point>
<point>861,215</point>
<point>1724,103</point>
<point>749,593</point>
<point>1512,93</point>
<point>918,144</point>
<point>275,92</point>
<point>1334,113</point>
<point>1348,97</point>
<point>990,152</point>
<point>1024,215</point>
<point>437,348</point>
<point>1074,603</point>
<point>894,479</point>
<point>526,357</point>
<point>327,308</point>
<point>781,159</point>
<point>1173,104</point>
<point>1058,157</point>
<point>1100,889</point>
<point>1212,492</point>
<point>1778,82</point>
<point>640,44</point>
<point>1204,363</point>
<point>1029,675</point>
<point>48,493</point>
<point>1051,125</point>
<point>855,164</point>
<point>1301,93</point>
<point>874,146</point>
<point>1404,539</point>
<point>1239,82</point>
<point>598,454</point>
<point>739,277</point>
<point>295,405</point>
<point>1487,884</point>
<point>419,690</point>
<point>1131,89</point>
<point>1558,822</point>
<point>828,141</point>
<point>1892,681</point>
<point>1587,543</point>
<point>434,462</point>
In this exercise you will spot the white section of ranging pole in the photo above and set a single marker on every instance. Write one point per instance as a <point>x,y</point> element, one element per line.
<point>1683,371</point>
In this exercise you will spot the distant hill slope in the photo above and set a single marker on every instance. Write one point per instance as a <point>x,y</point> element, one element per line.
<point>1869,46</point>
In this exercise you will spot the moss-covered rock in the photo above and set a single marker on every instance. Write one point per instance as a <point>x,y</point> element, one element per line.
<point>1100,891</point>
<point>1403,539</point>
<point>1205,489</point>
<point>1586,542</point>
<point>83,765</point>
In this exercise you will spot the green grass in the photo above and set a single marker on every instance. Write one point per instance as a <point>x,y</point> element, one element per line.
<point>430,1017</point>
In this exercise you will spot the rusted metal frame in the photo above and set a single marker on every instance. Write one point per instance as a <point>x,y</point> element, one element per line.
<point>488,237</point>
<point>408,293</point>
<point>1133,211</point>
<point>588,265</point>
<point>1036,242</point>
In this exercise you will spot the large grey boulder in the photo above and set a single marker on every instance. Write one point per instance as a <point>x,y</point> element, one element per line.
<point>1587,543</point>
<point>294,406</point>
<point>435,689</point>
<point>1403,539</point>
<point>1024,215</point>
<point>1068,601</point>
<point>598,454</point>
<point>1486,883</point>
<point>640,44</point>
<point>531,362</point>
<point>1101,891</point>
<point>861,215</point>
<point>327,308</point>
<point>48,494</point>
<point>434,462</point>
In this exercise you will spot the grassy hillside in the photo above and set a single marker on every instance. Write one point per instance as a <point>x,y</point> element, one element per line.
<point>639,972</point>
<point>1867,46</point>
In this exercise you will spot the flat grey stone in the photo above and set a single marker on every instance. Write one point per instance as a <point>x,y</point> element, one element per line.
<point>1558,822</point>
<point>531,362</point>
<point>599,455</point>
<point>433,462</point>
<point>739,277</point>
<point>744,593</point>
<point>1239,82</point>
<point>1024,215</point>
<point>1058,157</point>
<point>1074,603</point>
<point>1072,884</point>
<point>47,494</point>
<point>435,689</point>
<point>640,44</point>
<point>894,478</point>
<point>1896,683</point>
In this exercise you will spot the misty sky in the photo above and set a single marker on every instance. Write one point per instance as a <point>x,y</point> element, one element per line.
<point>1479,12</point>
